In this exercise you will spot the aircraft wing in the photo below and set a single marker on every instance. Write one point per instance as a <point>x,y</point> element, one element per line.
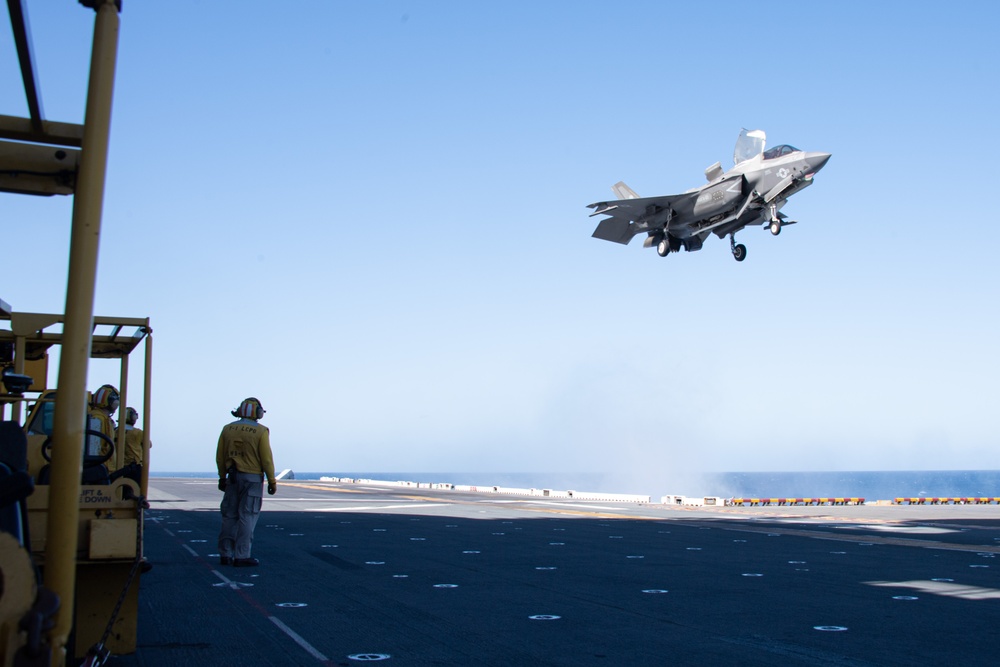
<point>633,216</point>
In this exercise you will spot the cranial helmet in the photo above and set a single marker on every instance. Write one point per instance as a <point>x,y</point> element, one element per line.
<point>105,397</point>
<point>250,408</point>
<point>131,416</point>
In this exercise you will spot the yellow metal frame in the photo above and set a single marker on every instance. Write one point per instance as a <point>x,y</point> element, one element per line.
<point>70,411</point>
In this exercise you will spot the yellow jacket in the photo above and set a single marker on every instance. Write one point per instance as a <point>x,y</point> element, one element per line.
<point>133,445</point>
<point>245,445</point>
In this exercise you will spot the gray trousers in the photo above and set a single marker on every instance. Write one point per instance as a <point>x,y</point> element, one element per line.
<point>240,509</point>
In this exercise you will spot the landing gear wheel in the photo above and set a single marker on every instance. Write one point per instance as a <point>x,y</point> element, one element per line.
<point>775,227</point>
<point>663,248</point>
<point>739,252</point>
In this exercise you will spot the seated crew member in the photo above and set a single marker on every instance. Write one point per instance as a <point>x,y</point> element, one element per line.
<point>132,465</point>
<point>103,403</point>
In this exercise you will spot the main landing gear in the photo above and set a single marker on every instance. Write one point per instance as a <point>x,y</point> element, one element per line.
<point>775,224</point>
<point>739,250</point>
<point>663,247</point>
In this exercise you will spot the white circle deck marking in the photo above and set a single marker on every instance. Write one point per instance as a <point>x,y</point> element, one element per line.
<point>796,562</point>
<point>979,566</point>
<point>829,628</point>
<point>445,585</point>
<point>378,530</point>
<point>655,591</point>
<point>545,567</point>
<point>329,546</point>
<point>197,541</point>
<point>374,562</point>
<point>291,604</point>
<point>296,534</point>
<point>905,597</point>
<point>943,579</point>
<point>499,533</point>
<point>739,540</point>
<point>471,552</point>
<point>752,574</point>
<point>694,548</point>
<point>400,576</point>
<point>418,539</point>
<point>368,657</point>
<point>544,617</point>
<point>557,544</point>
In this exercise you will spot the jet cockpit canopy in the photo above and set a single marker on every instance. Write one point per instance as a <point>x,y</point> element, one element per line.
<point>778,151</point>
<point>749,145</point>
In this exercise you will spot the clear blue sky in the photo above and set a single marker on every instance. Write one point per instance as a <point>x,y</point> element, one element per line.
<point>371,215</point>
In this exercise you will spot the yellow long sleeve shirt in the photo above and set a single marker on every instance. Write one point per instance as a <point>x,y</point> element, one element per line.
<point>246,445</point>
<point>133,445</point>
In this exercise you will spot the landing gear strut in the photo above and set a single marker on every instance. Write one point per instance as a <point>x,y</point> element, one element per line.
<point>775,221</point>
<point>739,250</point>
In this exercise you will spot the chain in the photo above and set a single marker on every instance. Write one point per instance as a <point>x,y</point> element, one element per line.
<point>98,654</point>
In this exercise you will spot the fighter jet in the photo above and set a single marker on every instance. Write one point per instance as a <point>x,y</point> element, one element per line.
<point>751,193</point>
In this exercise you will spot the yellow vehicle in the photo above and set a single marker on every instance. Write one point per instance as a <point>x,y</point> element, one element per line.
<point>67,550</point>
<point>108,515</point>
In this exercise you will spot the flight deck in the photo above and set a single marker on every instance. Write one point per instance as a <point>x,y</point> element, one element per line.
<point>361,573</point>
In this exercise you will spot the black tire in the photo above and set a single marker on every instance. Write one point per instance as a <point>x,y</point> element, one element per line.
<point>739,252</point>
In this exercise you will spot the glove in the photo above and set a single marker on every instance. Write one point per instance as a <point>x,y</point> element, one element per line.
<point>271,488</point>
<point>222,484</point>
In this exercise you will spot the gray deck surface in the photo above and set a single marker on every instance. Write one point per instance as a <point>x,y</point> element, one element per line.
<point>352,574</point>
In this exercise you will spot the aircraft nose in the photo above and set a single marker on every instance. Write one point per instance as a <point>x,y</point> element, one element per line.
<point>817,160</point>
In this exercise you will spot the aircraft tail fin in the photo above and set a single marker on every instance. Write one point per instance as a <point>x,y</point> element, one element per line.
<point>623,191</point>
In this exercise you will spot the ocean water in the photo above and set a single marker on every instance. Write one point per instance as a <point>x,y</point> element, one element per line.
<point>872,485</point>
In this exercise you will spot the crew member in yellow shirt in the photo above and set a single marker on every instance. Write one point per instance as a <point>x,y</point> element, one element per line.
<point>132,465</point>
<point>103,403</point>
<point>243,458</point>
